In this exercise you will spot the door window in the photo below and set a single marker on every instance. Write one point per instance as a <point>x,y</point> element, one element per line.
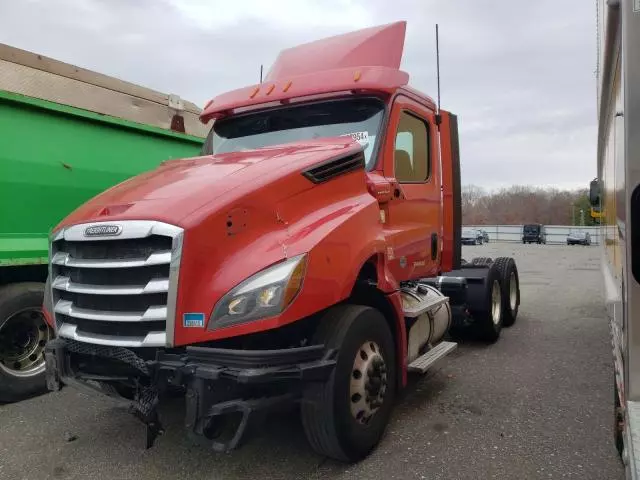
<point>411,155</point>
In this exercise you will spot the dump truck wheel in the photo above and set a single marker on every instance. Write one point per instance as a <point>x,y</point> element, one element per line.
<point>487,312</point>
<point>345,417</point>
<point>23,335</point>
<point>481,261</point>
<point>510,283</point>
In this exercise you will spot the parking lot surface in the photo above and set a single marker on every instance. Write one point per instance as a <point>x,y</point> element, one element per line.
<point>535,405</point>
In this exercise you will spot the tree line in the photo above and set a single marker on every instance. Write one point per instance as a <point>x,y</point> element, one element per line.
<point>518,205</point>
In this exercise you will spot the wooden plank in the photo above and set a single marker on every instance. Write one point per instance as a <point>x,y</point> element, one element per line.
<point>50,65</point>
<point>37,83</point>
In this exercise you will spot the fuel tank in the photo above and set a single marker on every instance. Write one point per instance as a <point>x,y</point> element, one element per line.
<point>428,316</point>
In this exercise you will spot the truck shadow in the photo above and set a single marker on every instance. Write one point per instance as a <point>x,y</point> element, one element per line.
<point>426,409</point>
<point>277,448</point>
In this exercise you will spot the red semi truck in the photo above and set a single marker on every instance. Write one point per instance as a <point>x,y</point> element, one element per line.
<point>311,254</point>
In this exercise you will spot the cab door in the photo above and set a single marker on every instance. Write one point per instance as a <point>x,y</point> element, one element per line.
<point>413,224</point>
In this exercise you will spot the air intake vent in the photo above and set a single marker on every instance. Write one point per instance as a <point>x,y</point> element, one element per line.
<point>325,171</point>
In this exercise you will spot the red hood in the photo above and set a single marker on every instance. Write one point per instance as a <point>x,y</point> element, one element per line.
<point>178,188</point>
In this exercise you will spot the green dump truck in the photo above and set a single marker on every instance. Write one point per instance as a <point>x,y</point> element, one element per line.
<point>66,134</point>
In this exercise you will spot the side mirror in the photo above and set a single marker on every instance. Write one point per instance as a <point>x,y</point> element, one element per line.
<point>594,192</point>
<point>381,188</point>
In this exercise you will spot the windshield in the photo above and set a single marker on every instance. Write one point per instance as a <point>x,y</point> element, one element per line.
<point>360,118</point>
<point>531,228</point>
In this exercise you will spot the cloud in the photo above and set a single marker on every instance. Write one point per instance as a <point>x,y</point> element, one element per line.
<point>520,75</point>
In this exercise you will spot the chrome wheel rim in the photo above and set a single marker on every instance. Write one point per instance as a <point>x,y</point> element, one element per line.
<point>513,292</point>
<point>368,382</point>
<point>496,302</point>
<point>23,337</point>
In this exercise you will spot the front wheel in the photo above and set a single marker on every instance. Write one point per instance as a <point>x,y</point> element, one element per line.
<point>23,335</point>
<point>345,417</point>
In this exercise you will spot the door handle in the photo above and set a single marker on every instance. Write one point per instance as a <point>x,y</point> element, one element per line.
<point>434,246</point>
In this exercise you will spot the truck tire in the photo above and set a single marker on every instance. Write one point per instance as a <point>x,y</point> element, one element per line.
<point>488,313</point>
<point>481,261</point>
<point>345,417</point>
<point>510,284</point>
<point>23,335</point>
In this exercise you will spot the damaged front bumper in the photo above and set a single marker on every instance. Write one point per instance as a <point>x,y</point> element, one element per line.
<point>225,388</point>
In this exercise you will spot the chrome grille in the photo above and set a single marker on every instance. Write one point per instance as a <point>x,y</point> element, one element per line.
<point>117,289</point>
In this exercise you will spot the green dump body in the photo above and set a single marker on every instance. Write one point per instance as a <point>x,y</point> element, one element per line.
<point>55,157</point>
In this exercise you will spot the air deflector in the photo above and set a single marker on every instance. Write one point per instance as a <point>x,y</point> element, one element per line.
<point>375,46</point>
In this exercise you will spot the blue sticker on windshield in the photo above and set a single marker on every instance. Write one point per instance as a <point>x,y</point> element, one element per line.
<point>193,319</point>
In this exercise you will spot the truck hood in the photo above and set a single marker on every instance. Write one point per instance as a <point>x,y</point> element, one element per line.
<point>178,188</point>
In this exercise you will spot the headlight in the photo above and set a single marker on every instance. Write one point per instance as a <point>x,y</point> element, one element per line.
<point>265,294</point>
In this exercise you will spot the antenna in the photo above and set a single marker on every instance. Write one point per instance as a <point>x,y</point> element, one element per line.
<point>260,73</point>
<point>438,66</point>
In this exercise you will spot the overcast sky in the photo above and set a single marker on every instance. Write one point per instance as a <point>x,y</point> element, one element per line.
<point>519,74</point>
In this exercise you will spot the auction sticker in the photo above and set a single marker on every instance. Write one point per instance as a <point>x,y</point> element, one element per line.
<point>361,137</point>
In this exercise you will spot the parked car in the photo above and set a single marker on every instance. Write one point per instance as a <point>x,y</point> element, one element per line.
<point>485,236</point>
<point>471,236</point>
<point>579,238</point>
<point>534,233</point>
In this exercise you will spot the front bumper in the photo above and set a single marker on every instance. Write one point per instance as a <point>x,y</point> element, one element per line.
<point>224,388</point>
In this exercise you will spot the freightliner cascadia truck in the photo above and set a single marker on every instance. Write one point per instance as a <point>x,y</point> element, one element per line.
<point>311,254</point>
<point>67,135</point>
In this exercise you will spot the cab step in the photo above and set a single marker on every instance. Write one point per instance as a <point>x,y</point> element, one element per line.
<point>426,361</point>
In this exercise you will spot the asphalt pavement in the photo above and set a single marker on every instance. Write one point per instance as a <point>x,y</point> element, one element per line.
<point>535,405</point>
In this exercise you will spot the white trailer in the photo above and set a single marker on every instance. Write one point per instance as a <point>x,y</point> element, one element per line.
<point>616,193</point>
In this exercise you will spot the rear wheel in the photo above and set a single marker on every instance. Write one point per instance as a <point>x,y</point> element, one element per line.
<point>510,286</point>
<point>488,314</point>
<point>23,336</point>
<point>345,417</point>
